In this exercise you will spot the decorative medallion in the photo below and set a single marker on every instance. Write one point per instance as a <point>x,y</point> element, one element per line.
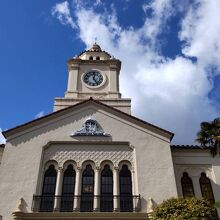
<point>90,128</point>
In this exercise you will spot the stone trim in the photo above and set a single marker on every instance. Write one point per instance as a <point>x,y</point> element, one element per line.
<point>80,216</point>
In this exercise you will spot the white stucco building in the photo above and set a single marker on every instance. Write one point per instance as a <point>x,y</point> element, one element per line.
<point>91,159</point>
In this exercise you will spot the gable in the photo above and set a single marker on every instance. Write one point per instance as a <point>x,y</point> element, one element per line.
<point>89,108</point>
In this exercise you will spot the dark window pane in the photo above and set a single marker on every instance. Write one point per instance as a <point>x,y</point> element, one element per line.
<point>48,192</point>
<point>68,190</point>
<point>206,188</point>
<point>126,203</point>
<point>106,202</point>
<point>87,190</point>
<point>187,185</point>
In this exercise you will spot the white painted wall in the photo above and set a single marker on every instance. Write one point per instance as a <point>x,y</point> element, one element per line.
<point>1,153</point>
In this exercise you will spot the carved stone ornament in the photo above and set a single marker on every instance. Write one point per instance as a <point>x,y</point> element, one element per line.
<point>150,205</point>
<point>20,205</point>
<point>90,128</point>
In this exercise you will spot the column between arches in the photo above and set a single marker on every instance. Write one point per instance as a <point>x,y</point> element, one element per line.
<point>58,189</point>
<point>116,189</point>
<point>77,192</point>
<point>97,190</point>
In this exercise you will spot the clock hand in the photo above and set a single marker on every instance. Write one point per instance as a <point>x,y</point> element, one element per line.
<point>94,78</point>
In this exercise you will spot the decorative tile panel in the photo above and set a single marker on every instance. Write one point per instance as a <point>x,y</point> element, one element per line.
<point>96,153</point>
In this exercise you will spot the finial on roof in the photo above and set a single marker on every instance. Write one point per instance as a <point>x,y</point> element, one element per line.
<point>95,47</point>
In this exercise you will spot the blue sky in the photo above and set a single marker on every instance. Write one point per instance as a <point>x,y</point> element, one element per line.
<point>170,54</point>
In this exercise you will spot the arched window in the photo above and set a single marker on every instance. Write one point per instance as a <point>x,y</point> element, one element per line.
<point>68,189</point>
<point>87,193</point>
<point>206,188</point>
<point>126,204</point>
<point>91,58</point>
<point>97,58</point>
<point>48,192</point>
<point>106,204</point>
<point>187,185</point>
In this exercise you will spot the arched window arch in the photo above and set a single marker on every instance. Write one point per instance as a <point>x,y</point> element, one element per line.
<point>106,202</point>
<point>97,58</point>
<point>206,188</point>
<point>87,192</point>
<point>68,189</point>
<point>90,58</point>
<point>48,191</point>
<point>187,185</point>
<point>126,203</point>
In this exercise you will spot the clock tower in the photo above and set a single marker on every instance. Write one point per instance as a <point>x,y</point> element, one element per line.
<point>94,73</point>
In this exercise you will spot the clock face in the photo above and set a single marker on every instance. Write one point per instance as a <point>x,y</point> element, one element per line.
<point>93,78</point>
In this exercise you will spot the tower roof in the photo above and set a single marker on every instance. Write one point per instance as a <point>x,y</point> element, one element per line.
<point>95,47</point>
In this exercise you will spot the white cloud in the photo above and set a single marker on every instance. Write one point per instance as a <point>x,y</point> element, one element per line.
<point>40,114</point>
<point>201,31</point>
<point>171,93</point>
<point>161,11</point>
<point>62,12</point>
<point>2,139</point>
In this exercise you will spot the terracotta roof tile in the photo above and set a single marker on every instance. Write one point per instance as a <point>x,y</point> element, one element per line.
<point>190,147</point>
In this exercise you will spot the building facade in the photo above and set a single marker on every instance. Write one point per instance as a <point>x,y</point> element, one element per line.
<point>91,159</point>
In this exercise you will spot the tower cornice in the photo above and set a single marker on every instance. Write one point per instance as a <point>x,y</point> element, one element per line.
<point>74,63</point>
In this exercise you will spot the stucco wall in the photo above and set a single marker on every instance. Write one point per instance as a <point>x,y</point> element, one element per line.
<point>1,153</point>
<point>22,160</point>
